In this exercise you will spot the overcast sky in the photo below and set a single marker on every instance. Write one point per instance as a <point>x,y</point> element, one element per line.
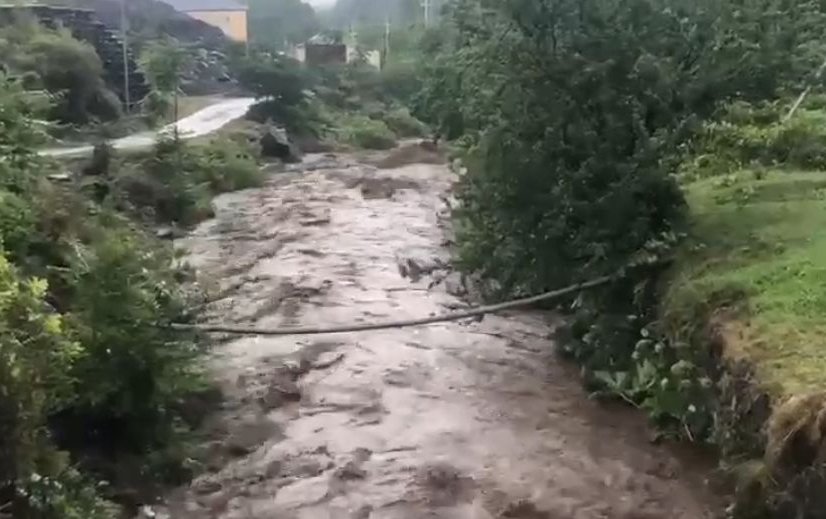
<point>320,3</point>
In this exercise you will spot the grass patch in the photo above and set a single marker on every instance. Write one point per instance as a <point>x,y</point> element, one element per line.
<point>757,247</point>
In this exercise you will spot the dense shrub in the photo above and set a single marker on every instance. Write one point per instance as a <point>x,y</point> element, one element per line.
<point>157,106</point>
<point>17,223</point>
<point>363,132</point>
<point>758,135</point>
<point>401,80</point>
<point>67,495</point>
<point>567,177</point>
<point>402,123</point>
<point>576,112</point>
<point>86,363</point>
<point>35,359</point>
<point>230,166</point>
<point>133,372</point>
<point>176,182</point>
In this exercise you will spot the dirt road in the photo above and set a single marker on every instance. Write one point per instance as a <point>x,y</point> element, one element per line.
<point>463,420</point>
<point>202,122</point>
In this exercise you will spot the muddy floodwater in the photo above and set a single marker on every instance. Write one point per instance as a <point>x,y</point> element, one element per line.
<point>461,420</point>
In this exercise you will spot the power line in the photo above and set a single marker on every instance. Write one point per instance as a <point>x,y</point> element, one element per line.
<point>386,39</point>
<point>454,316</point>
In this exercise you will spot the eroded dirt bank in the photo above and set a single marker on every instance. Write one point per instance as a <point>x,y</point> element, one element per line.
<point>457,420</point>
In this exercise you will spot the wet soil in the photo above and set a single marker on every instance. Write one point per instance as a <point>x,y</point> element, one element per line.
<point>470,419</point>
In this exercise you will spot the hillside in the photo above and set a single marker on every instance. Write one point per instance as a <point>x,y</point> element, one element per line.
<point>151,19</point>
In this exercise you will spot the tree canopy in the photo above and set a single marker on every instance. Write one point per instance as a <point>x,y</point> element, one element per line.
<point>576,109</point>
<point>277,23</point>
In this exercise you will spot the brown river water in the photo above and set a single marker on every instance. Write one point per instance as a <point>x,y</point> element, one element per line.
<point>460,420</point>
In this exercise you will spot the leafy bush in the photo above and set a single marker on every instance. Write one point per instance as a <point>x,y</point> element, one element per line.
<point>17,223</point>
<point>403,124</point>
<point>66,67</point>
<point>36,381</point>
<point>35,360</point>
<point>67,495</point>
<point>230,166</point>
<point>363,132</point>
<point>401,80</point>
<point>668,380</point>
<point>133,372</point>
<point>177,182</point>
<point>18,137</point>
<point>577,111</point>
<point>166,184</point>
<point>750,135</point>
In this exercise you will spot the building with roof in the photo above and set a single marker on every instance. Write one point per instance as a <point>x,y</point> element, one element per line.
<point>228,15</point>
<point>331,48</point>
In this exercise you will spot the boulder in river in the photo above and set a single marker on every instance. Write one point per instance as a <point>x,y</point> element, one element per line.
<point>275,143</point>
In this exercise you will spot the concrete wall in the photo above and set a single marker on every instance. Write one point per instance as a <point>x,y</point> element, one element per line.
<point>299,53</point>
<point>324,54</point>
<point>232,23</point>
<point>373,57</point>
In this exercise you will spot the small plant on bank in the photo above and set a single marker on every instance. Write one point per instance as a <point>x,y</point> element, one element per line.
<point>362,132</point>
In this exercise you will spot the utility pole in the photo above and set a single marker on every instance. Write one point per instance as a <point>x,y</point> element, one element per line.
<point>386,40</point>
<point>125,49</point>
<point>815,79</point>
<point>426,5</point>
<point>352,36</point>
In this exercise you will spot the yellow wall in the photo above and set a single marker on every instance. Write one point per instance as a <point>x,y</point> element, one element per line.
<point>233,23</point>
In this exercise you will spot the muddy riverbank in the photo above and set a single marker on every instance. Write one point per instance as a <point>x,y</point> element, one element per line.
<point>470,419</point>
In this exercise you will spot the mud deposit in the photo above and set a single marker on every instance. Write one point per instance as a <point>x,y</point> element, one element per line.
<point>463,420</point>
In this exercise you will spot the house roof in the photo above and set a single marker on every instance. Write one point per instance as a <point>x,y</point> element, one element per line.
<point>324,39</point>
<point>205,5</point>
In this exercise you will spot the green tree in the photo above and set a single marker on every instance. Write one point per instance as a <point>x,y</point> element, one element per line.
<point>276,23</point>
<point>162,63</point>
<point>576,109</point>
<point>281,85</point>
